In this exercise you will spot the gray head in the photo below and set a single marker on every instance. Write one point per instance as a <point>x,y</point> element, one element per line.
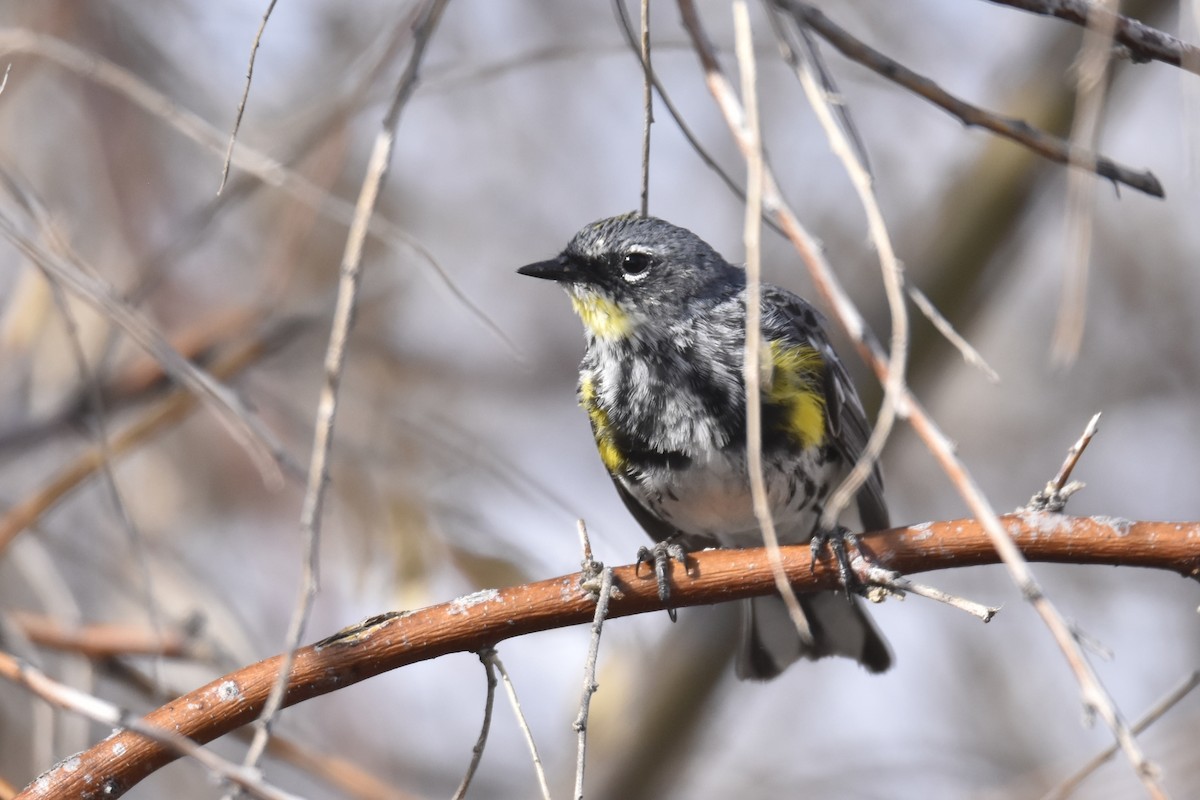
<point>622,270</point>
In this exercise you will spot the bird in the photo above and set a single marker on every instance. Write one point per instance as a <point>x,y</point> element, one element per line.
<point>661,380</point>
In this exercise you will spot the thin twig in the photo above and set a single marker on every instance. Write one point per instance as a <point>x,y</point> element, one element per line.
<point>1068,465</point>
<point>92,707</point>
<point>246,428</point>
<point>254,162</point>
<point>1054,496</point>
<point>241,109</point>
<point>343,317</point>
<point>804,59</point>
<point>899,585</point>
<point>94,398</point>
<point>647,107</point>
<point>1091,87</point>
<point>752,353</point>
<point>1016,130</point>
<point>511,691</point>
<point>589,677</point>
<point>485,656</point>
<point>1169,701</point>
<point>1093,694</point>
<point>171,410</point>
<point>1143,42</point>
<point>697,147</point>
<point>969,353</point>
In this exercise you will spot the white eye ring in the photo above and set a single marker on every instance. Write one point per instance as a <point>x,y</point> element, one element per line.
<point>635,266</point>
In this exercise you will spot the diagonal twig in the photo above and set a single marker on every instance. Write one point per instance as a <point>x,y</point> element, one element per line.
<point>241,109</point>
<point>1094,696</point>
<point>1054,496</point>
<point>1016,130</point>
<point>1142,42</point>
<point>106,713</point>
<point>343,317</point>
<point>1169,701</point>
<point>259,442</point>
<point>802,56</point>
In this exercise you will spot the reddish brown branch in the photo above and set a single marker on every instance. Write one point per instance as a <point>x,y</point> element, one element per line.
<point>99,640</point>
<point>477,621</point>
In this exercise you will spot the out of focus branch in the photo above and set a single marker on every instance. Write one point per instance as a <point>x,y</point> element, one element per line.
<point>1143,42</point>
<point>1016,130</point>
<point>480,620</point>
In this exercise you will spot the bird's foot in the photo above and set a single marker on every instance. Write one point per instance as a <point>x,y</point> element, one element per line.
<point>660,556</point>
<point>837,540</point>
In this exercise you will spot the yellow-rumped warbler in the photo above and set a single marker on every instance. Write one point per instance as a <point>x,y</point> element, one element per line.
<point>661,381</point>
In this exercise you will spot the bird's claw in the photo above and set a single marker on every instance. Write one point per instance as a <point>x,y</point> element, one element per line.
<point>660,555</point>
<point>836,539</point>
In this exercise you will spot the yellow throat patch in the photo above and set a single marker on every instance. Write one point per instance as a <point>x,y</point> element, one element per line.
<point>601,316</point>
<point>795,384</point>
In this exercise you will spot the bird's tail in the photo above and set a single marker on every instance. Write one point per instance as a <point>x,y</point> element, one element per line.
<point>771,639</point>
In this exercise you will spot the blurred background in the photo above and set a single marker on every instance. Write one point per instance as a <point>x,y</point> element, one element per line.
<point>461,460</point>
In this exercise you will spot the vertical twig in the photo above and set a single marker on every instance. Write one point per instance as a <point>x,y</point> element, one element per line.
<point>485,657</point>
<point>589,677</point>
<point>343,317</point>
<point>647,106</point>
<point>1091,70</point>
<point>752,354</point>
<point>511,691</point>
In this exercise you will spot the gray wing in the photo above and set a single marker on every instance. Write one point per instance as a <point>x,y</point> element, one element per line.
<point>845,420</point>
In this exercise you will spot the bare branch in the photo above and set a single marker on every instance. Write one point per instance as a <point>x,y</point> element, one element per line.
<point>335,354</point>
<point>511,691</point>
<point>1054,496</point>
<point>1143,42</point>
<point>1094,696</point>
<point>1016,130</point>
<point>1172,698</point>
<point>241,109</point>
<point>647,106</point>
<point>589,668</point>
<point>471,623</point>
<point>488,704</point>
<point>101,711</point>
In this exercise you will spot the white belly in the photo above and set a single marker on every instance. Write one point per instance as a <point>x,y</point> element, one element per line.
<point>712,499</point>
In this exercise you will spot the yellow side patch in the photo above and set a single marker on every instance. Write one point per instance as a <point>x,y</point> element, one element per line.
<point>601,430</point>
<point>601,316</point>
<point>795,384</point>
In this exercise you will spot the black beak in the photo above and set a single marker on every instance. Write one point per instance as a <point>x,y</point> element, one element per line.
<point>558,269</point>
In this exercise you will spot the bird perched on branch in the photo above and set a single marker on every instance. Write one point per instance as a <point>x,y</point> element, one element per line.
<point>661,380</point>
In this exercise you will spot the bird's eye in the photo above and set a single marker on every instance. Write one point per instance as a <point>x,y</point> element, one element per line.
<point>636,264</point>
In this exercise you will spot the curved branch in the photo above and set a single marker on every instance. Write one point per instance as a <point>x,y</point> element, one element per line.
<point>480,620</point>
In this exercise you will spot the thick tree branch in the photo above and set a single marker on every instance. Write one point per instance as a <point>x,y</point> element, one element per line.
<point>480,620</point>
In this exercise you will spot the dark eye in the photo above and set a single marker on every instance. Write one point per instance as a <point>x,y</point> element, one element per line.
<point>636,263</point>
